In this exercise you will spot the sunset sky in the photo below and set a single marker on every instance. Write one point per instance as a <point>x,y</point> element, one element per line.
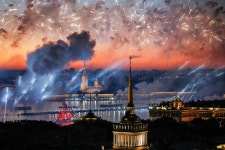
<point>163,34</point>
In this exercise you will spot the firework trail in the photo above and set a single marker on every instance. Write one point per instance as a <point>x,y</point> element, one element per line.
<point>6,94</point>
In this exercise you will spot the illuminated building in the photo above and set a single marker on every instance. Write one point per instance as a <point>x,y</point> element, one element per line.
<point>84,80</point>
<point>177,103</point>
<point>131,133</point>
<point>84,88</point>
<point>180,113</point>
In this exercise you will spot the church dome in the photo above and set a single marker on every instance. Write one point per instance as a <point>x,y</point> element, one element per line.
<point>130,118</point>
<point>177,103</point>
<point>90,116</point>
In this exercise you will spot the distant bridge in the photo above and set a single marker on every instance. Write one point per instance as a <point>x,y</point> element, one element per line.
<point>84,110</point>
<point>153,94</point>
<point>171,93</point>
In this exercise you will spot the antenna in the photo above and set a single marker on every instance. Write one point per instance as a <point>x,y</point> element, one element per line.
<point>90,100</point>
<point>84,63</point>
<point>134,56</point>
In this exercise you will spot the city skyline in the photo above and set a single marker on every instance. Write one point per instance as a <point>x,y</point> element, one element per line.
<point>47,37</point>
<point>140,74</point>
<point>163,34</point>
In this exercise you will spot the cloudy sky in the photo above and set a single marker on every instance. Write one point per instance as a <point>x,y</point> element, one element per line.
<point>164,34</point>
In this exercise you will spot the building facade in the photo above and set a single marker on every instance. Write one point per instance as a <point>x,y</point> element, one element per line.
<point>84,87</point>
<point>181,113</point>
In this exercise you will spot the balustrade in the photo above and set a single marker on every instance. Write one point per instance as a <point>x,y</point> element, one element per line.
<point>130,127</point>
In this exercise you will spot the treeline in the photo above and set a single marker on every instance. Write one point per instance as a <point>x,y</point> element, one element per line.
<point>44,135</point>
<point>166,133</point>
<point>163,133</point>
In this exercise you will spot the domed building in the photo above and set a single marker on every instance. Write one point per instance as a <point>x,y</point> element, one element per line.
<point>177,103</point>
<point>90,116</point>
<point>131,133</point>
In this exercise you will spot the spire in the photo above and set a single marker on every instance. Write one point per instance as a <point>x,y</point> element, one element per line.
<point>130,104</point>
<point>130,92</point>
<point>84,64</point>
<point>84,69</point>
<point>84,80</point>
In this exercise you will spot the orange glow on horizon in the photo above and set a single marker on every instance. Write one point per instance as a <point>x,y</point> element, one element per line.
<point>106,56</point>
<point>16,62</point>
<point>174,35</point>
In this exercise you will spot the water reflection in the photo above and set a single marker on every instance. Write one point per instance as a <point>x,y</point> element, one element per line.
<point>49,111</point>
<point>115,116</point>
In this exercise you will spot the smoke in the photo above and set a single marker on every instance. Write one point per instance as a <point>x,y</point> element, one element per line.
<point>81,48</point>
<point>2,31</point>
<point>194,84</point>
<point>35,16</point>
<point>110,70</point>
<point>46,63</point>
<point>53,57</point>
<point>209,83</point>
<point>189,30</point>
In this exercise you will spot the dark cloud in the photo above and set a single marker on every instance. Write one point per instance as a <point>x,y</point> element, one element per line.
<point>53,57</point>
<point>3,30</point>
<point>10,5</point>
<point>33,17</point>
<point>218,10</point>
<point>211,4</point>
<point>50,57</point>
<point>81,46</point>
<point>21,28</point>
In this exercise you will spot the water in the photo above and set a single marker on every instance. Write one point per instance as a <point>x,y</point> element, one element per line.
<point>115,116</point>
<point>52,109</point>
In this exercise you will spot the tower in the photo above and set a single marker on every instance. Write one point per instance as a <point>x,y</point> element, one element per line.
<point>84,80</point>
<point>131,133</point>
